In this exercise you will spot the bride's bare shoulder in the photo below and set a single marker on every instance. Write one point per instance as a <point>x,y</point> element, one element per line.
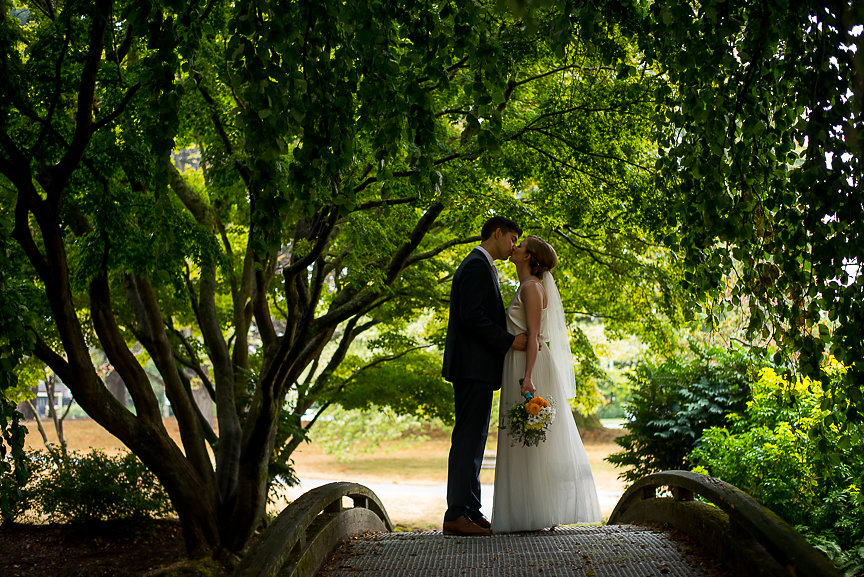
<point>533,285</point>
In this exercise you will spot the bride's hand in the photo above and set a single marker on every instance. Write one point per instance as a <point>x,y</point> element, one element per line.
<point>528,387</point>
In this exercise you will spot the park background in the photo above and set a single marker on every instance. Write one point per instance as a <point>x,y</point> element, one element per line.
<point>409,476</point>
<point>260,205</point>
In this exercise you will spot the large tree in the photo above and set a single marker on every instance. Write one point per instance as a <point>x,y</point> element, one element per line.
<point>348,151</point>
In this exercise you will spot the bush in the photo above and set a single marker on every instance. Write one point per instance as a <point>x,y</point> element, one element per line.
<point>94,486</point>
<point>673,402</point>
<point>13,499</point>
<point>769,464</point>
<point>777,453</point>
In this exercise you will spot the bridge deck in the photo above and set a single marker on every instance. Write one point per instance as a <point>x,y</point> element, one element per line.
<point>598,551</point>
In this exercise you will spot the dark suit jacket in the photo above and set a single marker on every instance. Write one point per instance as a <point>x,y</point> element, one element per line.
<point>477,337</point>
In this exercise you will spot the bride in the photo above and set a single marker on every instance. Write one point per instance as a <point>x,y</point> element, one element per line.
<point>549,484</point>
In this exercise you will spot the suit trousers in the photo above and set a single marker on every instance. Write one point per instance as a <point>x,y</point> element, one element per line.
<point>473,403</point>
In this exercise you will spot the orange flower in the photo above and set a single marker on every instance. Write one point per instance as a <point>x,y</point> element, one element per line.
<point>532,408</point>
<point>539,401</point>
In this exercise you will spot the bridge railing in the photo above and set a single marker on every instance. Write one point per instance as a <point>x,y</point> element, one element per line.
<point>304,534</point>
<point>737,527</point>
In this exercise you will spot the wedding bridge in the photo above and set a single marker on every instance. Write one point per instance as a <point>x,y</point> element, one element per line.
<point>670,524</point>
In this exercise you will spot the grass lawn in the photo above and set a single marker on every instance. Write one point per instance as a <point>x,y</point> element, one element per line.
<point>419,465</point>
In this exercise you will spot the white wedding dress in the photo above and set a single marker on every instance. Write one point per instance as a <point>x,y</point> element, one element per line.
<point>550,484</point>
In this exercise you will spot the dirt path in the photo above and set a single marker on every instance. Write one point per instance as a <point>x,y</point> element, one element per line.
<point>411,482</point>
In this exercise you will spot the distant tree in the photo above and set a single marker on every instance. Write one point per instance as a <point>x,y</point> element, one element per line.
<point>50,383</point>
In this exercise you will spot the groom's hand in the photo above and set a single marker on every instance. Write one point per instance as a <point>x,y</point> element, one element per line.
<point>520,343</point>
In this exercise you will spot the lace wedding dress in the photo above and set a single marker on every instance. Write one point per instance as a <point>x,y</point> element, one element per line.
<point>550,484</point>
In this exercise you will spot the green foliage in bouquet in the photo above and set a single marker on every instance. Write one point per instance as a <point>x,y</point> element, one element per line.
<point>527,423</point>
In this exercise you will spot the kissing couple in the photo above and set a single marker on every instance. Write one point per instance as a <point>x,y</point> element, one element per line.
<point>523,349</point>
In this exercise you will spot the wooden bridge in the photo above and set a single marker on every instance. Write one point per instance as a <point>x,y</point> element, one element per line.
<point>670,524</point>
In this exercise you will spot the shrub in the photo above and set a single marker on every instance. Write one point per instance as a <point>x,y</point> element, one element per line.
<point>94,486</point>
<point>769,464</point>
<point>673,402</point>
<point>777,453</point>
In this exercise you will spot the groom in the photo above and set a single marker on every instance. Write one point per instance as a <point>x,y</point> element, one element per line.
<point>477,340</point>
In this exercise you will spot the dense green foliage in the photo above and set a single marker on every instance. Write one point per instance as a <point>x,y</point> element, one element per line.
<point>760,144</point>
<point>14,468</point>
<point>771,453</point>
<point>673,401</point>
<point>93,486</point>
<point>410,385</point>
<point>349,152</point>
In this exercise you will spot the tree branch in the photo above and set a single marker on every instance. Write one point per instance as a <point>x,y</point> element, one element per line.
<point>160,350</point>
<point>440,248</point>
<point>400,258</point>
<point>192,363</point>
<point>57,87</point>
<point>22,232</point>
<point>379,361</point>
<point>328,222</point>
<point>406,173</point>
<point>124,362</point>
<point>574,148</point>
<point>120,108</point>
<point>54,361</point>
<point>206,428</point>
<point>242,170</point>
<point>84,114</point>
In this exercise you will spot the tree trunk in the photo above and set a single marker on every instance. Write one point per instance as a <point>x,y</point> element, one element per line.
<point>51,390</point>
<point>27,409</point>
<point>115,384</point>
<point>587,422</point>
<point>32,409</point>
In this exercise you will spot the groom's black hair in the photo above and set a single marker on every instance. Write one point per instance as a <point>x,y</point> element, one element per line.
<point>496,222</point>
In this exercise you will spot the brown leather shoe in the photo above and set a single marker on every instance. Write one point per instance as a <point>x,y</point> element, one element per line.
<point>462,525</point>
<point>482,522</point>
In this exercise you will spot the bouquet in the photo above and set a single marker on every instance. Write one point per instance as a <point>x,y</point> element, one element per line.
<point>528,421</point>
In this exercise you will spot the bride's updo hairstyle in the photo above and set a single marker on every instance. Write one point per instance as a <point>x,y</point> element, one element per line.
<point>542,256</point>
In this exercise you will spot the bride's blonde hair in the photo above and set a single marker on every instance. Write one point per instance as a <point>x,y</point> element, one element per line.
<point>543,257</point>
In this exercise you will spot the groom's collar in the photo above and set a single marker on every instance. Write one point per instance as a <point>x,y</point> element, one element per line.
<point>487,255</point>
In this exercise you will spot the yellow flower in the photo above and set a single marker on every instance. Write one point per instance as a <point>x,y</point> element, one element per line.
<point>533,408</point>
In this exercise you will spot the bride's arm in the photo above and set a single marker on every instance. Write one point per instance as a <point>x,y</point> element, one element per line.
<point>532,300</point>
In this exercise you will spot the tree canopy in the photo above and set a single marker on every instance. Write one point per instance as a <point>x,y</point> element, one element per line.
<point>349,152</point>
<point>760,144</point>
